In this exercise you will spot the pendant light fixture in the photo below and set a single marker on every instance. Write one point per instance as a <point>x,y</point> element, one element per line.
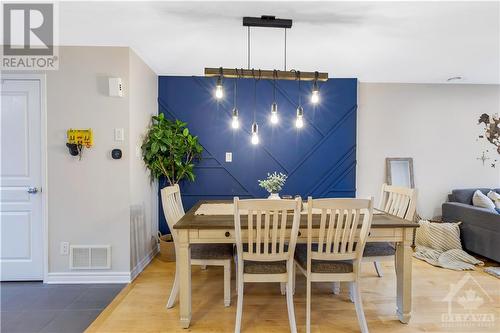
<point>221,73</point>
<point>274,113</point>
<point>235,123</point>
<point>274,105</point>
<point>255,134</point>
<point>299,121</point>
<point>219,91</point>
<point>255,127</point>
<point>315,90</point>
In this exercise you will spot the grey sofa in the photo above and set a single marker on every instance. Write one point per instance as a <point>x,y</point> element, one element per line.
<point>480,228</point>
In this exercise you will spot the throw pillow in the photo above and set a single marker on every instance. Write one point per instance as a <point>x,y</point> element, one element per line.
<point>495,197</point>
<point>481,200</point>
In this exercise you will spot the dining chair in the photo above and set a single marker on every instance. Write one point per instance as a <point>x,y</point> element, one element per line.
<point>394,200</point>
<point>201,254</point>
<point>266,233</point>
<point>334,248</point>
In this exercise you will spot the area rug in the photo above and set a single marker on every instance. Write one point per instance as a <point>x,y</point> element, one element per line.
<point>495,271</point>
<point>439,245</point>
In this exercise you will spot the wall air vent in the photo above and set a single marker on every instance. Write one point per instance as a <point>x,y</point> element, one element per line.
<point>90,257</point>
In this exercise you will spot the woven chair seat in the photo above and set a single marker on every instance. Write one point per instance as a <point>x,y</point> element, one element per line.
<point>321,266</point>
<point>377,249</point>
<point>264,267</point>
<point>211,251</point>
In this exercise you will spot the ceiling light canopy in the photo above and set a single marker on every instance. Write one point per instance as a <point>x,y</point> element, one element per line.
<point>267,21</point>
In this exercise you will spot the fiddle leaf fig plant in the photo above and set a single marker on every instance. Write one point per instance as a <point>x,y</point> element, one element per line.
<point>169,150</point>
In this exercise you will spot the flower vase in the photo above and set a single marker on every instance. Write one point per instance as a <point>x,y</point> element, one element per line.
<point>274,196</point>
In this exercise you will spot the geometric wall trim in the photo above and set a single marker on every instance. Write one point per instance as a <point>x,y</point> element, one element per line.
<point>319,159</point>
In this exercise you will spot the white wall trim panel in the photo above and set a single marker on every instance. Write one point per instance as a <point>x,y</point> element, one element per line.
<point>144,263</point>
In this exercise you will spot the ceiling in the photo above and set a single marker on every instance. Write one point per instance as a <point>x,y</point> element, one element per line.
<point>415,42</point>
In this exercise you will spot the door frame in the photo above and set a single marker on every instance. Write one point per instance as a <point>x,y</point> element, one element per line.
<point>43,167</point>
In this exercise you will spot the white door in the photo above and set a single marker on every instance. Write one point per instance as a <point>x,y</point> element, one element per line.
<point>21,256</point>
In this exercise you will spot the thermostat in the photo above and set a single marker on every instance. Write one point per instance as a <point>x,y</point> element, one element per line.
<point>116,154</point>
<point>115,87</point>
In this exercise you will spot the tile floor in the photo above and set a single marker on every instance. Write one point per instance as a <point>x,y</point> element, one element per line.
<point>36,307</point>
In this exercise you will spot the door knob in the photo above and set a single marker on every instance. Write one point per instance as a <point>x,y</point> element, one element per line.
<point>32,190</point>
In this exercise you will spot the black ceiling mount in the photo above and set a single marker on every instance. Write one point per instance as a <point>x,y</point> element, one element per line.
<point>267,21</point>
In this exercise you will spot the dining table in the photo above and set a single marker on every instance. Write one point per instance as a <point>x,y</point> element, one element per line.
<point>212,221</point>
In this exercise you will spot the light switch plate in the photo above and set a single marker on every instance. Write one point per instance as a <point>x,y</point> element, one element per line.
<point>229,157</point>
<point>119,134</point>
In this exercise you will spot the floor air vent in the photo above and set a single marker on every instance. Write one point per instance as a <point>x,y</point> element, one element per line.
<point>89,257</point>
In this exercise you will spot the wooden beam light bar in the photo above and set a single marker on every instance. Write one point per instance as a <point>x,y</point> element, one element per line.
<point>265,74</point>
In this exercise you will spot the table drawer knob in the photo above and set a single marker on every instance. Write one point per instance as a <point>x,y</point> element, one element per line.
<point>300,234</point>
<point>227,234</point>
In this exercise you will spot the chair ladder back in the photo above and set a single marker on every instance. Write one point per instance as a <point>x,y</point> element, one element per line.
<point>338,227</point>
<point>172,206</point>
<point>250,231</point>
<point>398,201</point>
<point>266,228</point>
<point>274,237</point>
<point>283,229</point>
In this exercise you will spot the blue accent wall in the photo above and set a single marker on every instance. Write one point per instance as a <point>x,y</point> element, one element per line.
<point>319,159</point>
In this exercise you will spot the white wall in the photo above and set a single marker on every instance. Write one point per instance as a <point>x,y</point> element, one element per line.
<point>434,124</point>
<point>90,200</point>
<point>143,99</point>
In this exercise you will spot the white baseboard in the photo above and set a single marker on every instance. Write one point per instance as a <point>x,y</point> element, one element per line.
<point>87,277</point>
<point>144,262</point>
<point>101,277</point>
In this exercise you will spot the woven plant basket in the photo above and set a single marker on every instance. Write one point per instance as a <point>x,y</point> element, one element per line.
<point>167,247</point>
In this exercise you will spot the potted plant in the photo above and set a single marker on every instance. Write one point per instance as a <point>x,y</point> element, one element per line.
<point>169,151</point>
<point>273,184</point>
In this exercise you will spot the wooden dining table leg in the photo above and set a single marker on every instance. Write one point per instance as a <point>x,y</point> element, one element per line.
<point>184,266</point>
<point>404,276</point>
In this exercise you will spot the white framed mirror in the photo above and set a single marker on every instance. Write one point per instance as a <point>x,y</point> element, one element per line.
<point>399,171</point>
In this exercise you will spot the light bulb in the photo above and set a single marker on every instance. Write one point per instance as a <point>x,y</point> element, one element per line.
<point>219,92</point>
<point>299,123</point>
<point>255,134</point>
<point>255,139</point>
<point>274,113</point>
<point>315,97</point>
<point>235,122</point>
<point>315,93</point>
<point>274,118</point>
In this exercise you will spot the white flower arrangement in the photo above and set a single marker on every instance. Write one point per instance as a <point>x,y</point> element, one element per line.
<point>274,182</point>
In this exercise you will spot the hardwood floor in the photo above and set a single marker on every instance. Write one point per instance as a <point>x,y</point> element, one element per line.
<point>140,307</point>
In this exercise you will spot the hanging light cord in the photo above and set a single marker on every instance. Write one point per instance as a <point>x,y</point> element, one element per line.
<point>300,90</point>
<point>248,47</point>
<point>285,49</point>
<point>254,95</point>
<point>235,87</point>
<point>274,85</point>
